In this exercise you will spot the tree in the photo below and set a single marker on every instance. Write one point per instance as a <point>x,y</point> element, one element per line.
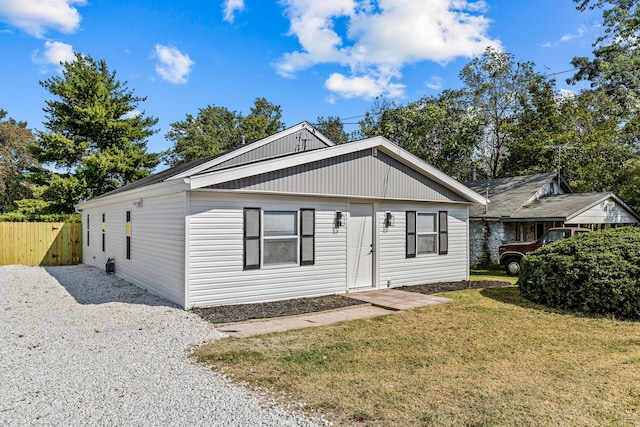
<point>216,129</point>
<point>615,67</point>
<point>436,129</point>
<point>332,128</point>
<point>95,136</point>
<point>15,161</point>
<point>496,87</point>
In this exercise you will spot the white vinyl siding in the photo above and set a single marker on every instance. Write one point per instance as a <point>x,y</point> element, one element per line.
<point>157,250</point>
<point>607,212</point>
<point>216,267</point>
<point>395,269</point>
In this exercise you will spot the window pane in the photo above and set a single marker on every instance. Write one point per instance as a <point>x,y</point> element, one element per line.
<point>306,251</point>
<point>252,252</point>
<point>411,245</point>
<point>252,222</point>
<point>426,223</point>
<point>427,244</point>
<point>279,251</point>
<point>280,223</point>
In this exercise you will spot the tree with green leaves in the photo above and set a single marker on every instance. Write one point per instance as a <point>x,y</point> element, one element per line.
<point>95,137</point>
<point>16,161</point>
<point>496,87</point>
<point>437,129</point>
<point>333,128</point>
<point>615,66</point>
<point>215,130</point>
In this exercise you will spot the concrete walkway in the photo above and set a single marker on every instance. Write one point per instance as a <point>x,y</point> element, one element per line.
<point>393,299</point>
<point>380,302</point>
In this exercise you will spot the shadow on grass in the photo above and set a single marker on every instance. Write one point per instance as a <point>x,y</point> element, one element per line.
<point>511,295</point>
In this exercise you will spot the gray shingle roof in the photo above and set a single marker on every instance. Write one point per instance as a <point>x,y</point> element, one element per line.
<point>507,195</point>
<point>560,206</point>
<point>159,177</point>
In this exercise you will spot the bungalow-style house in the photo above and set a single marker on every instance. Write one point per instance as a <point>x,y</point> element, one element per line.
<point>522,208</point>
<point>291,215</point>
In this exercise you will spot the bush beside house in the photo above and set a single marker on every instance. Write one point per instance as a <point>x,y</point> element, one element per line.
<point>596,273</point>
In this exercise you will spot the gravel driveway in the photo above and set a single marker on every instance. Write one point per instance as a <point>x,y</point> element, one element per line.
<point>80,347</point>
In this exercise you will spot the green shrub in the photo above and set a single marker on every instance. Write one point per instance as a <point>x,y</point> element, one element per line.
<point>33,210</point>
<point>596,273</point>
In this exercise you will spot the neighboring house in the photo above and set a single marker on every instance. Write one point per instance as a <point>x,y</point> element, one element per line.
<point>522,208</point>
<point>291,215</point>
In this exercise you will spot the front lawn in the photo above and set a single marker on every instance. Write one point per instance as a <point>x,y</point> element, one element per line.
<point>488,358</point>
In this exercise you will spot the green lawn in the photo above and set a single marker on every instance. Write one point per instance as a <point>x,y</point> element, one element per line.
<point>493,274</point>
<point>488,358</point>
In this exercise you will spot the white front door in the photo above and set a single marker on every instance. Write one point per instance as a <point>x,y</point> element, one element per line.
<point>361,251</point>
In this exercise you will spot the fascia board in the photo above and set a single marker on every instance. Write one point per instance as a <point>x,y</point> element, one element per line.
<point>217,177</point>
<point>154,190</point>
<point>249,147</point>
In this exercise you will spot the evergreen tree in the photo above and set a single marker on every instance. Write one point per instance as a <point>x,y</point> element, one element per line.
<point>95,137</point>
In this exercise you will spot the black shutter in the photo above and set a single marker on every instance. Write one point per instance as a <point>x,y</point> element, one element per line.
<point>443,232</point>
<point>307,236</point>
<point>411,234</point>
<point>251,238</point>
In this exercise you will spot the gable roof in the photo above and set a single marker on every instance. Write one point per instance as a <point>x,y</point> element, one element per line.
<point>565,207</point>
<point>236,165</point>
<point>211,162</point>
<point>217,177</point>
<point>524,198</point>
<point>508,195</point>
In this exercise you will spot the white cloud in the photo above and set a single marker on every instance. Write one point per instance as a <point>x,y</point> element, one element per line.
<point>54,53</point>
<point>380,37</point>
<point>173,65</point>
<point>363,86</point>
<point>581,31</point>
<point>131,114</point>
<point>435,83</point>
<point>230,7</point>
<point>36,16</point>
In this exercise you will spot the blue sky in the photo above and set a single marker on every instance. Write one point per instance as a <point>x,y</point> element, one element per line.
<point>311,57</point>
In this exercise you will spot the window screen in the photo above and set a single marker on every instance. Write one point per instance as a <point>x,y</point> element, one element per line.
<point>426,233</point>
<point>280,244</point>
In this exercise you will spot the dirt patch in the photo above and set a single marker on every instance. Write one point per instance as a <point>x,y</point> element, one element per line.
<point>437,288</point>
<point>291,307</point>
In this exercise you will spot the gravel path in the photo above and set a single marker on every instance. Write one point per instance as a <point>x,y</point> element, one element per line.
<point>80,347</point>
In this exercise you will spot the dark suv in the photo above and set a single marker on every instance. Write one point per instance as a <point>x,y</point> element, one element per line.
<point>512,253</point>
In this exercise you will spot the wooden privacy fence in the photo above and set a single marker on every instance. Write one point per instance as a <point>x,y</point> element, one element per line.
<point>40,243</point>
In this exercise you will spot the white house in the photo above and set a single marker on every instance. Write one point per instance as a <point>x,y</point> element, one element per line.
<point>291,215</point>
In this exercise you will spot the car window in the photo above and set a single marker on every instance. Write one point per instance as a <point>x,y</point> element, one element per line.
<point>552,236</point>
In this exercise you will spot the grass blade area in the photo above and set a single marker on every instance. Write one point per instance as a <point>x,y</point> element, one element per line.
<point>488,358</point>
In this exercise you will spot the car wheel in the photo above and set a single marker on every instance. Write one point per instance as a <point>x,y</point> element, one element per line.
<point>512,266</point>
